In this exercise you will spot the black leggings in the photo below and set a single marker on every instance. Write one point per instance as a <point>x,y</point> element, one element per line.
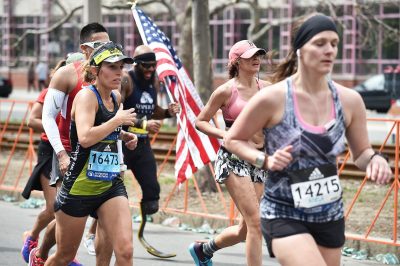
<point>143,165</point>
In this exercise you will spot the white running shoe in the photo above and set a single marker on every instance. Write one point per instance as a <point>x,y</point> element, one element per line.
<point>89,244</point>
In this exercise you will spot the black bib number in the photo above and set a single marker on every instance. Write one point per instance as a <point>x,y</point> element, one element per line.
<point>315,186</point>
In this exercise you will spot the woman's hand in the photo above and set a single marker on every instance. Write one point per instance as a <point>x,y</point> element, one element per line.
<point>130,140</point>
<point>280,159</point>
<point>125,117</point>
<point>378,170</point>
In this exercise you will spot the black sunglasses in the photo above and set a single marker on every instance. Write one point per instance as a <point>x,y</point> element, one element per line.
<point>147,65</point>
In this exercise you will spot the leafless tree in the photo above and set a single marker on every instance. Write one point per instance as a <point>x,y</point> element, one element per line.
<point>256,30</point>
<point>370,24</point>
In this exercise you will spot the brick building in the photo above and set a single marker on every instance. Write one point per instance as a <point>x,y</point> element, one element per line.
<point>356,59</point>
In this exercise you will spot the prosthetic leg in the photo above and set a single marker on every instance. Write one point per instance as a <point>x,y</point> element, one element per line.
<point>150,208</point>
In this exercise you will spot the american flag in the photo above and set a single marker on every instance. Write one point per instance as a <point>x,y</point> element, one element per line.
<point>193,148</point>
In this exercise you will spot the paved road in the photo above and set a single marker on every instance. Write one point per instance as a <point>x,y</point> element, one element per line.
<point>23,94</point>
<point>14,220</point>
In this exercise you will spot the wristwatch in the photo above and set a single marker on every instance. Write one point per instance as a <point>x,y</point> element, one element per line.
<point>260,160</point>
<point>123,167</point>
<point>378,153</point>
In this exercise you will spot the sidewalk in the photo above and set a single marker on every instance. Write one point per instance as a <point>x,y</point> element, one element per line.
<point>166,239</point>
<point>23,94</point>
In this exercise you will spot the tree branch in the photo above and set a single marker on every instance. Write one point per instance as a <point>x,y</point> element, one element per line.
<point>63,10</point>
<point>275,22</point>
<point>69,14</point>
<point>44,31</point>
<point>127,5</point>
<point>332,11</point>
<point>257,35</point>
<point>396,32</point>
<point>171,9</point>
<point>367,24</point>
<point>363,11</point>
<point>255,18</point>
<point>222,6</point>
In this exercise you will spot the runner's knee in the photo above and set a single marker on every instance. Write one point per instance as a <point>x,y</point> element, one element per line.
<point>124,250</point>
<point>242,230</point>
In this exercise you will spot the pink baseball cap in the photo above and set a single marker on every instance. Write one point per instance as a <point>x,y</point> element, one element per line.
<point>244,49</point>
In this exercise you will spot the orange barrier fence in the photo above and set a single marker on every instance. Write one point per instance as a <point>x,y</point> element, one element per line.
<point>188,199</point>
<point>392,134</point>
<point>230,214</point>
<point>14,166</point>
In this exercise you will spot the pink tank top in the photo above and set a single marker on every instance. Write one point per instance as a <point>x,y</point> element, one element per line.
<point>235,105</point>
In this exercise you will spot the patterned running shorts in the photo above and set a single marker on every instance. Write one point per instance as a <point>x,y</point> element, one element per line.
<point>227,162</point>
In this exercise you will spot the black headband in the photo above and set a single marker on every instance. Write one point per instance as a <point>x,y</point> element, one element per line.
<point>312,27</point>
<point>147,57</point>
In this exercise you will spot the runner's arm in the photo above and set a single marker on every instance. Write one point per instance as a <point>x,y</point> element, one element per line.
<point>216,101</point>
<point>51,107</point>
<point>84,112</point>
<point>377,168</point>
<point>126,86</point>
<point>35,118</point>
<point>161,113</point>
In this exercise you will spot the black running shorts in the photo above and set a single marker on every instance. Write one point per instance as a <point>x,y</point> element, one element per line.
<point>81,206</point>
<point>329,234</point>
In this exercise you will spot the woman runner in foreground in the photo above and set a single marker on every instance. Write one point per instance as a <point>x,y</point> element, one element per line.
<point>305,117</point>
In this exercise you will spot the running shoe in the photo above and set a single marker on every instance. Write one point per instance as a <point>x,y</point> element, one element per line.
<point>75,262</point>
<point>89,244</point>
<point>196,250</point>
<point>29,244</point>
<point>35,261</point>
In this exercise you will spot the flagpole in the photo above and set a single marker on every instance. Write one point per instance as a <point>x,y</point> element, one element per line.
<point>140,29</point>
<point>171,98</point>
<point>133,3</point>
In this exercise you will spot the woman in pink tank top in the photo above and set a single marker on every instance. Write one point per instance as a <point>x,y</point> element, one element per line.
<point>243,181</point>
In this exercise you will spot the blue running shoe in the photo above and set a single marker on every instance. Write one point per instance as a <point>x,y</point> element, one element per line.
<point>75,262</point>
<point>196,250</point>
<point>29,244</point>
<point>35,261</point>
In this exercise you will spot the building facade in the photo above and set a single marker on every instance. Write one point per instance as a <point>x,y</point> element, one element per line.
<point>363,51</point>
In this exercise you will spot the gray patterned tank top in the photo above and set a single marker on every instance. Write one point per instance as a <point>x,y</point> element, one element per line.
<point>310,149</point>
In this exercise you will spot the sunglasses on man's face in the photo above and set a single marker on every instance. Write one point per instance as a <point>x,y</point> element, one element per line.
<point>94,44</point>
<point>147,65</point>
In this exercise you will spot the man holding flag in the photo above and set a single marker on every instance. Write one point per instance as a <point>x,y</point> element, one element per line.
<point>193,148</point>
<point>139,90</point>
